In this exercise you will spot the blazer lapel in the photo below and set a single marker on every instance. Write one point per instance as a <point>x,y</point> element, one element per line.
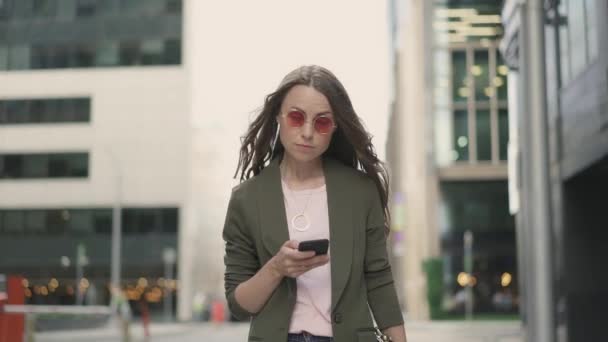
<point>340,228</point>
<point>273,222</point>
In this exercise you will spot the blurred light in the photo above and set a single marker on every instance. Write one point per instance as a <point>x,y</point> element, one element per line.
<point>69,290</point>
<point>463,279</point>
<point>456,38</point>
<point>463,92</point>
<point>53,284</point>
<point>25,282</point>
<point>498,82</point>
<point>505,279</point>
<point>133,294</point>
<point>154,295</point>
<point>485,42</point>
<point>489,91</point>
<point>472,281</point>
<point>455,155</point>
<point>455,12</point>
<point>84,283</point>
<point>28,293</point>
<point>503,70</point>
<point>65,215</point>
<point>142,282</point>
<point>484,19</point>
<point>479,31</point>
<point>44,291</point>
<point>65,261</point>
<point>476,70</point>
<point>448,25</point>
<point>462,141</point>
<point>160,282</point>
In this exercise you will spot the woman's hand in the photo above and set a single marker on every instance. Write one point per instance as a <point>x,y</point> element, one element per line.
<point>289,262</point>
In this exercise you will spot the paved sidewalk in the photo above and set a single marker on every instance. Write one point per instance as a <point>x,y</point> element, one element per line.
<point>237,332</point>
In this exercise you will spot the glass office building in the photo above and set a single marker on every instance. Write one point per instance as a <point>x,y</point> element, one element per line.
<point>48,238</point>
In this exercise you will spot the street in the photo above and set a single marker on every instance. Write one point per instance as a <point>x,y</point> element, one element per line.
<point>207,332</point>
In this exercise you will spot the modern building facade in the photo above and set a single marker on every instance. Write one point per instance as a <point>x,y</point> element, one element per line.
<point>447,151</point>
<point>93,106</point>
<point>558,56</point>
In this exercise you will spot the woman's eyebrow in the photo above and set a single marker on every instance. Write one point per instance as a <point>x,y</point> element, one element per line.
<point>303,111</point>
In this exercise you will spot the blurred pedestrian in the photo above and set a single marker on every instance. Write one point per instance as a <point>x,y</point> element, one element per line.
<point>309,171</point>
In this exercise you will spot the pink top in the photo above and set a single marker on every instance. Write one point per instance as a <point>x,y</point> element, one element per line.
<point>312,312</point>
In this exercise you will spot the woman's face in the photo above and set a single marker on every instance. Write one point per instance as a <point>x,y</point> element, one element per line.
<point>310,140</point>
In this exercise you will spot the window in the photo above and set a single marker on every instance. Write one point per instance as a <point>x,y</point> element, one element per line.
<point>86,8</point>
<point>87,221</point>
<point>578,37</point>
<point>149,220</point>
<point>52,165</point>
<point>35,111</point>
<point>479,91</point>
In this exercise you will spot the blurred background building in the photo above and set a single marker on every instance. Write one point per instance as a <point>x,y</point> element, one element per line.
<point>93,114</point>
<point>447,151</point>
<point>558,54</point>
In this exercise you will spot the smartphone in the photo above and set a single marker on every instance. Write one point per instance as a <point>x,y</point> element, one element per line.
<point>318,246</point>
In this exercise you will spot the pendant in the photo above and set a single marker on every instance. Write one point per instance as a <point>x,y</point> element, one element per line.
<point>300,222</point>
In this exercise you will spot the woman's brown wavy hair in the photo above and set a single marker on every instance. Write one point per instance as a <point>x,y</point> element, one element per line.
<point>351,144</point>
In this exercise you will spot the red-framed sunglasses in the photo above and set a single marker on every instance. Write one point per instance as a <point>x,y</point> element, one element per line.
<point>322,124</point>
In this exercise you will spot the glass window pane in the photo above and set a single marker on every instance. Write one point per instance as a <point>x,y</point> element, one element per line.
<point>129,53</point>
<point>503,132</point>
<point>13,222</point>
<point>592,39</point>
<point>19,57</point>
<point>107,54</point>
<point>460,89</point>
<point>79,164</point>
<point>173,52</point>
<point>82,108</point>
<point>170,220</point>
<point>461,136</point>
<point>35,221</point>
<point>152,52</point>
<point>35,166</point>
<point>4,57</point>
<point>479,71</point>
<point>66,9</point>
<point>43,8</point>
<point>56,221</point>
<point>576,21</point>
<point>500,82</point>
<point>484,136</point>
<point>102,221</point>
<point>11,166</point>
<point>84,55</point>
<point>81,221</point>
<point>174,6</point>
<point>85,8</point>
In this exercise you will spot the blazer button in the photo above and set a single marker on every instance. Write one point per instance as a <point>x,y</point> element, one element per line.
<point>337,318</point>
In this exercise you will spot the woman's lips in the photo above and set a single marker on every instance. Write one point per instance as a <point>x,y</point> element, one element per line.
<point>306,147</point>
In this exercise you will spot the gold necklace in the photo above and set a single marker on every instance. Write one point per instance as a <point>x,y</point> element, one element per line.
<point>299,222</point>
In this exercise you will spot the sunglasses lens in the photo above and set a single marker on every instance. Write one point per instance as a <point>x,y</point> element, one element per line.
<point>295,119</point>
<point>324,125</point>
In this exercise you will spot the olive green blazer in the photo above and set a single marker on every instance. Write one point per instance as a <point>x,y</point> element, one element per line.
<point>256,228</point>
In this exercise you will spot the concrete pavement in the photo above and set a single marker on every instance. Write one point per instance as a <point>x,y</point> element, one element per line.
<point>237,332</point>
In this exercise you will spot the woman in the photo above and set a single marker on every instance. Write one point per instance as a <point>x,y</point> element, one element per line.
<point>308,171</point>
